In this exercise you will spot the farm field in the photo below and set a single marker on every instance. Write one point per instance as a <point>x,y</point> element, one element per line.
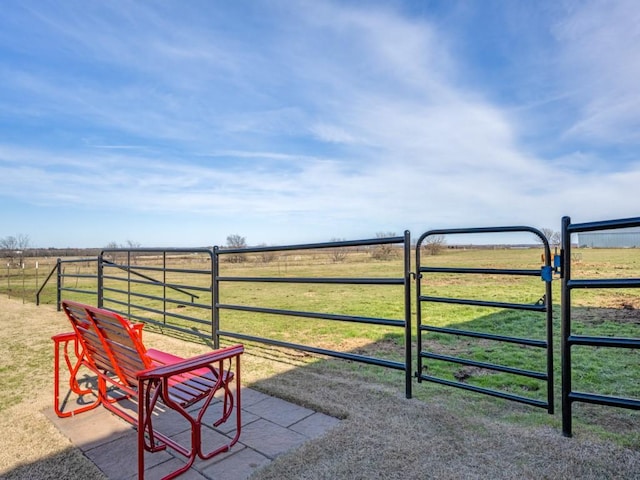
<point>603,312</point>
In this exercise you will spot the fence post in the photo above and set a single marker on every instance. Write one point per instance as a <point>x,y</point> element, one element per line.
<point>407,315</point>
<point>58,284</point>
<point>214,298</point>
<point>24,293</point>
<point>565,348</point>
<point>100,300</point>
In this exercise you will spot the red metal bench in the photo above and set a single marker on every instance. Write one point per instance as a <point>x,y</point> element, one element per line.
<point>111,348</point>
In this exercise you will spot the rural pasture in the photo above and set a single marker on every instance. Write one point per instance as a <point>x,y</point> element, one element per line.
<point>608,437</point>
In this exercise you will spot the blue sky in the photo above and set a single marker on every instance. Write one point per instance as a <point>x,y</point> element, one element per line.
<point>173,123</point>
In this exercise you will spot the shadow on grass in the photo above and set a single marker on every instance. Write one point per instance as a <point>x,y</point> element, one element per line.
<point>606,371</point>
<point>442,432</point>
<point>603,371</point>
<point>68,464</point>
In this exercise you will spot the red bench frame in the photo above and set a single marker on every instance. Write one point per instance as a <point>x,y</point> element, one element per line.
<point>109,346</point>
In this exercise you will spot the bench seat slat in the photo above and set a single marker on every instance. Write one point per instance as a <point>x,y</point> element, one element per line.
<point>187,388</point>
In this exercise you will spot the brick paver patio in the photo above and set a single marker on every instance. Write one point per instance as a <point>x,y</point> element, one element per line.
<point>270,427</point>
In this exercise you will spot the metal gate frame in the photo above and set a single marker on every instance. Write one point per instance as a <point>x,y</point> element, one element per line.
<point>546,307</point>
<point>568,339</point>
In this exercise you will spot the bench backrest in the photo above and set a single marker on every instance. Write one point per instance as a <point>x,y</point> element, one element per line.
<point>109,341</point>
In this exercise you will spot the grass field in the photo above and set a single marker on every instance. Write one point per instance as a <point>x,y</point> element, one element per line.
<point>604,312</point>
<point>441,433</point>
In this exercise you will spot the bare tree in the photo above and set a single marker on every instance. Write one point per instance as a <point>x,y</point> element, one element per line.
<point>338,254</point>
<point>15,247</point>
<point>111,255</point>
<point>236,241</point>
<point>434,244</point>
<point>267,256</point>
<point>8,243</point>
<point>383,251</point>
<point>553,237</point>
<point>133,256</point>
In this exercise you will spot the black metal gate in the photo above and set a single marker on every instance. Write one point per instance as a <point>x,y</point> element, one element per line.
<point>543,305</point>
<point>571,339</point>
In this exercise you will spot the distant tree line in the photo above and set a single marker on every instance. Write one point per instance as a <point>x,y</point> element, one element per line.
<point>18,259</point>
<point>337,254</point>
<point>17,247</point>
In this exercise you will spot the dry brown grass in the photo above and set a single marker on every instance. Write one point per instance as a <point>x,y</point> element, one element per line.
<point>383,435</point>
<point>31,446</point>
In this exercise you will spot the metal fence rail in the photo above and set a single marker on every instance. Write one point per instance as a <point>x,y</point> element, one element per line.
<point>570,339</point>
<point>61,276</point>
<point>543,306</point>
<point>404,281</point>
<point>152,293</point>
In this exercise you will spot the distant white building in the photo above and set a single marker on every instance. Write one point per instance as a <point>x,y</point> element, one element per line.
<point>620,238</point>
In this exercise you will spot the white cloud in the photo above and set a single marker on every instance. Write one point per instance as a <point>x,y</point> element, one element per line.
<point>599,62</point>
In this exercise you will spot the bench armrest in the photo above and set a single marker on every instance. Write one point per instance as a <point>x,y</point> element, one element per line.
<point>64,337</point>
<point>191,364</point>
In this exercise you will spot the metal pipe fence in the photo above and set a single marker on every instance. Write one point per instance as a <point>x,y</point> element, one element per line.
<point>167,288</point>
<point>571,339</point>
<point>156,286</point>
<point>184,290</point>
<point>403,323</point>
<point>63,278</point>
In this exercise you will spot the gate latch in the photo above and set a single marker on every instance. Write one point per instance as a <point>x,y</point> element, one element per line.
<point>547,271</point>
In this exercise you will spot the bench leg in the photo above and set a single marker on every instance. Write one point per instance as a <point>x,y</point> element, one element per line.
<point>152,390</point>
<point>227,408</point>
<point>66,341</point>
<point>148,397</point>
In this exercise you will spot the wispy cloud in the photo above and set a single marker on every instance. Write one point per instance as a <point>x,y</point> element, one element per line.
<point>364,117</point>
<point>599,59</point>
